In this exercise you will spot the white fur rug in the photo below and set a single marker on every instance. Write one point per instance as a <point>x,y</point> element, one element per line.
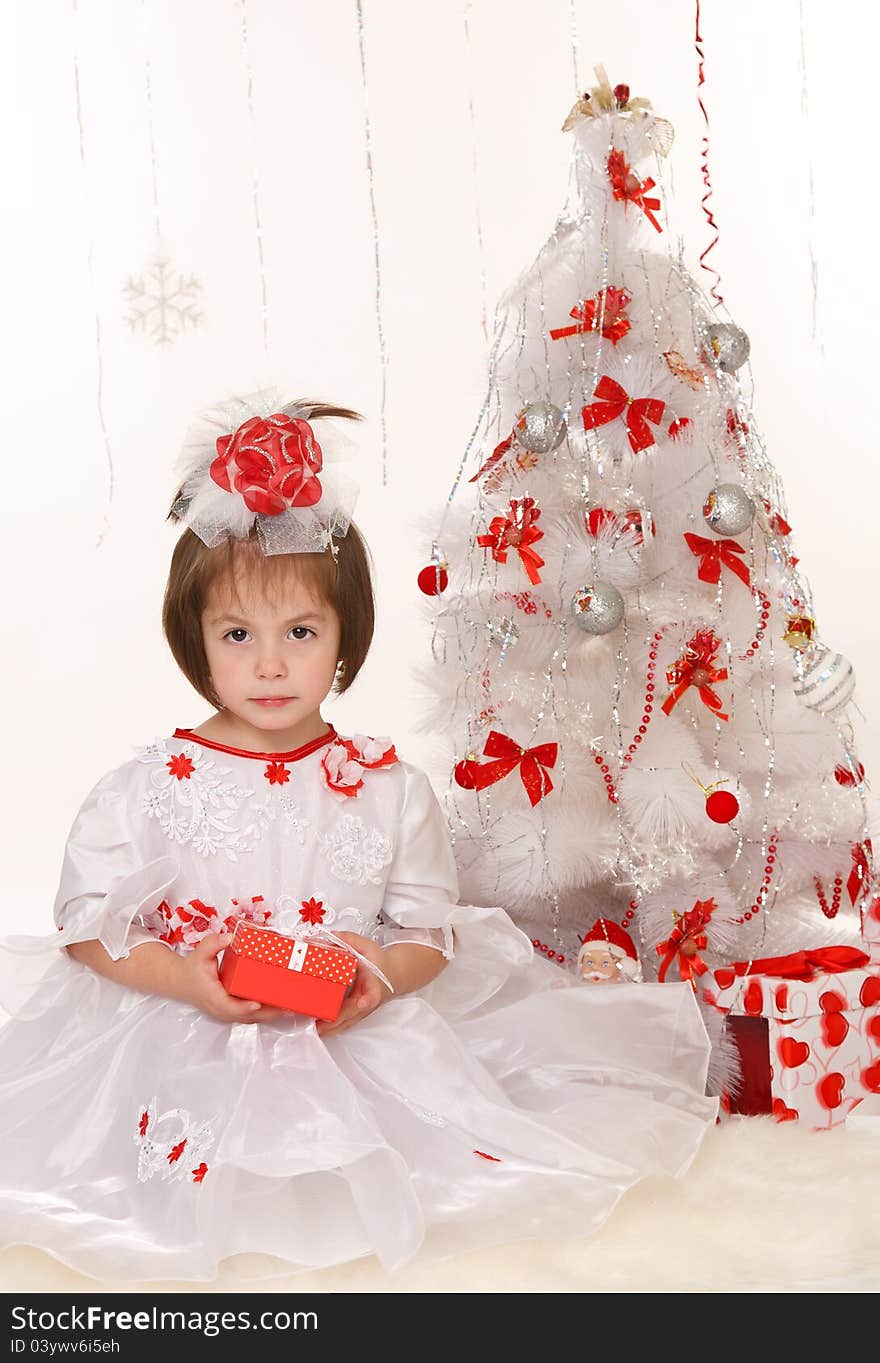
<point>764,1208</point>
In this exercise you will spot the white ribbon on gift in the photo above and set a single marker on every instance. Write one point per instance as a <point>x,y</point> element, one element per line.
<point>321,936</point>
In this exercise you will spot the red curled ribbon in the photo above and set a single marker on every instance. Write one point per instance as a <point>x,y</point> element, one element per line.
<point>697,668</point>
<point>614,402</point>
<point>626,185</point>
<point>689,927</point>
<point>532,763</point>
<point>604,314</point>
<point>516,531</point>
<point>712,553</point>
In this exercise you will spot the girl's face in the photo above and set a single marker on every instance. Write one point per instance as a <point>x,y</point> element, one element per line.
<point>272,661</point>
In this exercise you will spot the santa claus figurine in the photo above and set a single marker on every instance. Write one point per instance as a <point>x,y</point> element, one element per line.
<point>608,954</point>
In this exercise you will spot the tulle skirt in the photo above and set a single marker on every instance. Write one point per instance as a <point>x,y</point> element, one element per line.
<point>143,1140</point>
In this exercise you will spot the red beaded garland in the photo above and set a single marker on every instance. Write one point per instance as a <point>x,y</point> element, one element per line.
<point>762,627</point>
<point>830,911</point>
<point>648,706</point>
<point>550,954</point>
<point>755,908</point>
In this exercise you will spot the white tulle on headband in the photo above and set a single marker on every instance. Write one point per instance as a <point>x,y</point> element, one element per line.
<point>263,461</point>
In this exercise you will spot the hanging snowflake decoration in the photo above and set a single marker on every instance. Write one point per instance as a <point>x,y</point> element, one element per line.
<point>163,302</point>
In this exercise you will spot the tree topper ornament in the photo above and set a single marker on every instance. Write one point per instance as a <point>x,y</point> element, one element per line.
<point>601,99</point>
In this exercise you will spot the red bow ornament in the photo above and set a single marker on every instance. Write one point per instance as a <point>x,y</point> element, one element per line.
<point>712,553</point>
<point>604,313</point>
<point>532,763</point>
<point>517,530</point>
<point>626,185</point>
<point>697,668</point>
<point>686,941</point>
<point>636,412</point>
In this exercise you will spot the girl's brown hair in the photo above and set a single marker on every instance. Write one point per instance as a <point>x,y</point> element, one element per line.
<point>343,582</point>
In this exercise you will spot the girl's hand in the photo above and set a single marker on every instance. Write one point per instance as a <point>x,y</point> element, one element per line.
<point>203,987</point>
<point>367,992</point>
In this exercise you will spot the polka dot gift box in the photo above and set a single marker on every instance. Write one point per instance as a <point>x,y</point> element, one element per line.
<point>808,1029</point>
<point>299,974</point>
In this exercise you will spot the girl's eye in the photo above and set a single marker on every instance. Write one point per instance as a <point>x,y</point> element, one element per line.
<point>301,631</point>
<point>236,635</point>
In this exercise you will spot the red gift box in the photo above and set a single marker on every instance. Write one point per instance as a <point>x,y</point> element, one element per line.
<point>302,975</point>
<point>807,1028</point>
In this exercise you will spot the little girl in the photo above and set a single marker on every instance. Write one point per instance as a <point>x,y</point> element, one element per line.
<point>468,1093</point>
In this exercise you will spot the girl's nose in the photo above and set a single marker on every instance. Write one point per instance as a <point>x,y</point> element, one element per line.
<point>271,665</point>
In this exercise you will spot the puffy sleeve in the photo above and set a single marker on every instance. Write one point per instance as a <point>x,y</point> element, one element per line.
<point>105,881</point>
<point>105,885</point>
<point>421,904</point>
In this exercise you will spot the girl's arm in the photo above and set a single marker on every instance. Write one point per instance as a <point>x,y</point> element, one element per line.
<point>153,968</point>
<point>406,965</point>
<point>409,965</point>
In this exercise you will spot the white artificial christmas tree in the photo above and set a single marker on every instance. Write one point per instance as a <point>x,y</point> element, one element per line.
<point>644,720</point>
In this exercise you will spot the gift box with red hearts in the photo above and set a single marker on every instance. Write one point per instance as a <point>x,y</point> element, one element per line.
<point>301,974</point>
<point>871,927</point>
<point>808,1036</point>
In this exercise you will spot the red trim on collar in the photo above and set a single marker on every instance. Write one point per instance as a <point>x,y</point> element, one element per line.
<point>304,751</point>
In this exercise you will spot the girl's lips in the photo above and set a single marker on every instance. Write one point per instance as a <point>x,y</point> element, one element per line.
<point>272,700</point>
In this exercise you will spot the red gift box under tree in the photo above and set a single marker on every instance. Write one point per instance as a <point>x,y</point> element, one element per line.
<point>807,1028</point>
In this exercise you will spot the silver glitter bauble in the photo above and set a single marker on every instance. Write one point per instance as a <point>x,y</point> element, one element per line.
<point>539,427</point>
<point>503,631</point>
<point>597,608</point>
<point>729,510</point>
<point>826,682</point>
<point>728,344</point>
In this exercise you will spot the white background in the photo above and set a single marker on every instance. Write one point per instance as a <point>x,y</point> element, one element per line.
<point>465,130</point>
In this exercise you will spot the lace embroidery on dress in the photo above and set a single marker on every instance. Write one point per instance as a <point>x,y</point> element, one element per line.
<point>193,802</point>
<point>357,854</point>
<point>171,1146</point>
<point>288,916</point>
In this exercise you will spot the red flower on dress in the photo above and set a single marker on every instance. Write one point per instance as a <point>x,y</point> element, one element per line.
<point>199,1174</point>
<point>273,462</point>
<point>181,766</point>
<point>176,1152</point>
<point>276,773</point>
<point>312,911</point>
<point>142,1124</point>
<point>346,760</point>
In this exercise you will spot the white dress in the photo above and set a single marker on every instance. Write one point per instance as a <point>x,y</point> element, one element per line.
<point>142,1140</point>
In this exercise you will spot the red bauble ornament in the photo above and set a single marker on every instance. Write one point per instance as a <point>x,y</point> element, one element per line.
<point>433,580</point>
<point>844,775</point>
<point>464,773</point>
<point>721,806</point>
